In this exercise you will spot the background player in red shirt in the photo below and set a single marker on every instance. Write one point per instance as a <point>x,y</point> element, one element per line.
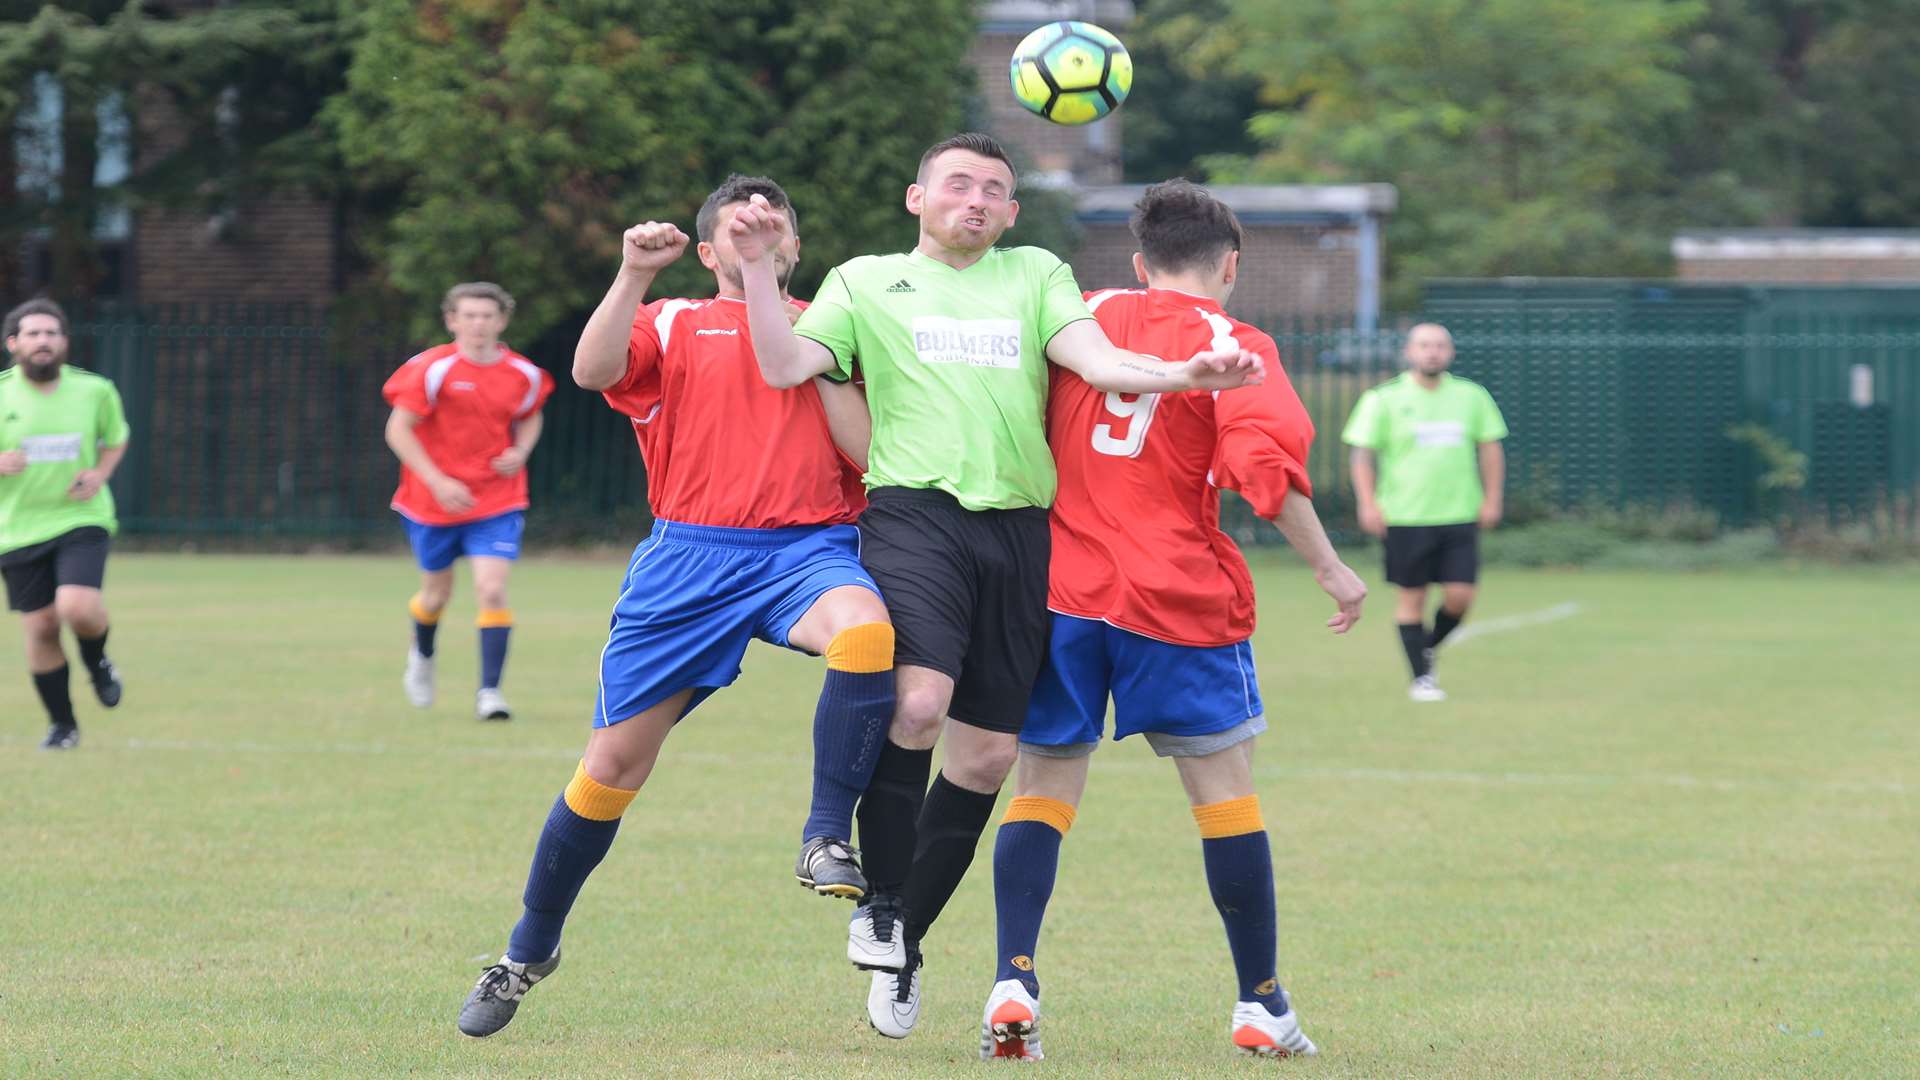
<point>752,538</point>
<point>1153,606</point>
<point>466,415</point>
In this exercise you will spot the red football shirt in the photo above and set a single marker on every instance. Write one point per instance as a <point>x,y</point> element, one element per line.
<point>1136,525</point>
<point>721,446</point>
<point>467,415</point>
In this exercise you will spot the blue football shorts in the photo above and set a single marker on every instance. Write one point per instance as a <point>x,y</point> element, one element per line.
<point>695,596</point>
<point>1187,700</point>
<point>436,546</point>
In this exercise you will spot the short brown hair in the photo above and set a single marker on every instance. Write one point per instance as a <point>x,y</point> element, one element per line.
<point>37,306</point>
<point>973,142</point>
<point>1180,225</point>
<point>739,189</point>
<point>477,290</point>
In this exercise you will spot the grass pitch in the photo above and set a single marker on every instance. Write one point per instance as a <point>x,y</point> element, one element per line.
<point>1672,833</point>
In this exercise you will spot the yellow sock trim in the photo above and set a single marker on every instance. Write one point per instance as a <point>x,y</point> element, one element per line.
<point>420,613</point>
<point>862,649</point>
<point>492,617</point>
<point>1042,809</point>
<point>1235,817</point>
<point>594,800</point>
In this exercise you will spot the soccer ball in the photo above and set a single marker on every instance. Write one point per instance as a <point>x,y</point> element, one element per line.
<point>1071,72</point>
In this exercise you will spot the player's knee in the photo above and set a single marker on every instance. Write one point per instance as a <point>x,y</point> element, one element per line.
<point>619,762</point>
<point>79,611</point>
<point>984,767</point>
<point>917,715</point>
<point>491,598</point>
<point>41,627</point>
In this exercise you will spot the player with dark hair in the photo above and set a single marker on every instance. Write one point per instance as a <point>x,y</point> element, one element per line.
<point>1427,474</point>
<point>954,340</point>
<point>62,434</point>
<point>752,538</point>
<point>1153,607</point>
<point>466,416</point>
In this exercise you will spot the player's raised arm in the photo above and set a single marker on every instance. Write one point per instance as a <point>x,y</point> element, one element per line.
<point>600,359</point>
<point>786,359</point>
<point>1083,348</point>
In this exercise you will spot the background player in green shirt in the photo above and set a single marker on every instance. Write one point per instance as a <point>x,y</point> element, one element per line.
<point>953,340</point>
<point>62,433</point>
<point>1428,472</point>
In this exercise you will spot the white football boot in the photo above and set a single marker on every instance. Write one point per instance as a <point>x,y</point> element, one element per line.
<point>877,936</point>
<point>419,679</point>
<point>1010,1024</point>
<point>491,704</point>
<point>1258,1032</point>
<point>893,1000</point>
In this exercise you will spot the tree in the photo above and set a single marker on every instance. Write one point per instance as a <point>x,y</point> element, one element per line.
<point>1516,130</point>
<point>515,141</point>
<point>1189,102</point>
<point>1802,114</point>
<point>223,100</point>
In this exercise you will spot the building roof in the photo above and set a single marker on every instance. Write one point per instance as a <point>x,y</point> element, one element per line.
<point>1020,16</point>
<point>1258,202</point>
<point>1774,244</point>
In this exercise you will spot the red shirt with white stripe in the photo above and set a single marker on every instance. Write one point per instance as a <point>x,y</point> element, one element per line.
<point>1136,525</point>
<point>467,413</point>
<point>721,446</point>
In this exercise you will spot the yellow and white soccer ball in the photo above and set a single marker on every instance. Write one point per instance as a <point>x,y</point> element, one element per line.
<point>1071,72</point>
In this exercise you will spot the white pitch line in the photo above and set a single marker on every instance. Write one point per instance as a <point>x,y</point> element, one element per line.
<point>1512,622</point>
<point>795,761</point>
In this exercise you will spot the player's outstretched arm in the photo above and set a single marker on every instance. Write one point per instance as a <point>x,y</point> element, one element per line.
<point>1083,348</point>
<point>786,358</point>
<point>1300,524</point>
<point>600,359</point>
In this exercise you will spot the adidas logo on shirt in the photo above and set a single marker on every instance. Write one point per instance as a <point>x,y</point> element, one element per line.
<point>901,286</point>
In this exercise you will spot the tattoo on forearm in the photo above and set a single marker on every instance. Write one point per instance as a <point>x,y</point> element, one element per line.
<point>1158,371</point>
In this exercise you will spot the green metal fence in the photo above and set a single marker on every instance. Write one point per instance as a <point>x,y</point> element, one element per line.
<point>256,423</point>
<point>260,423</point>
<point>1624,392</point>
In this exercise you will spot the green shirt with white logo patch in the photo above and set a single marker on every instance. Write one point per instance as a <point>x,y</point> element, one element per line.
<point>62,431</point>
<point>955,365</point>
<point>1427,445</point>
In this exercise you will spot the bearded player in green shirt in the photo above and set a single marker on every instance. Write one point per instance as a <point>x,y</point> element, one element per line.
<point>953,340</point>
<point>1427,473</point>
<point>62,433</point>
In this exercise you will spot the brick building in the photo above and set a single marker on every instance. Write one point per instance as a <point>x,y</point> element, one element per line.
<point>278,247</point>
<point>272,247</point>
<point>1798,256</point>
<point>1052,155</point>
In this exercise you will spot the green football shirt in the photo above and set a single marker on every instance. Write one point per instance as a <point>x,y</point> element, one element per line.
<point>955,365</point>
<point>62,433</point>
<point>1426,444</point>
